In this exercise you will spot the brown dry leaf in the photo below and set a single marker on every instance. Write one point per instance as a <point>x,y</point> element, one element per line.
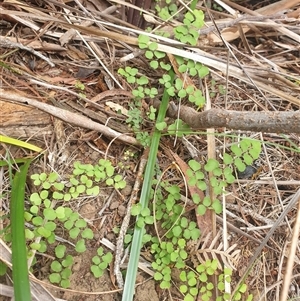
<point>71,33</point>
<point>76,53</point>
<point>111,93</point>
<point>185,79</point>
<point>230,34</point>
<point>116,107</point>
<point>204,222</point>
<point>100,5</point>
<point>60,79</point>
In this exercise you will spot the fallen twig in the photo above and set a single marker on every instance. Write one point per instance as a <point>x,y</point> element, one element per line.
<point>67,116</point>
<point>268,122</point>
<point>125,223</point>
<point>6,43</point>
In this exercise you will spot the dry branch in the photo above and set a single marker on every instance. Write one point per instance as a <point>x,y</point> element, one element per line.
<point>269,122</point>
<point>67,116</point>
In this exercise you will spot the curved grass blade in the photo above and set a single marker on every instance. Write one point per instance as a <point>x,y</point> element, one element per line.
<point>19,253</point>
<point>19,143</point>
<point>128,291</point>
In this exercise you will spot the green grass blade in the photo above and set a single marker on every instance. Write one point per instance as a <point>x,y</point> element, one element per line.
<point>19,253</point>
<point>128,291</point>
<point>10,162</point>
<point>19,143</point>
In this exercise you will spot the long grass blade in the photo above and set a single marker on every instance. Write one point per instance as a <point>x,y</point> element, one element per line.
<point>144,199</point>
<point>19,253</point>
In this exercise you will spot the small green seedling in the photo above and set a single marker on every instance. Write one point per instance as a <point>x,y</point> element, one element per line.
<point>144,215</point>
<point>243,154</point>
<point>101,262</point>
<point>197,283</point>
<point>61,270</point>
<point>48,209</point>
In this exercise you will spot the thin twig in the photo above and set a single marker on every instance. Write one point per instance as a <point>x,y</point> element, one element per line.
<point>67,116</point>
<point>291,257</point>
<point>6,43</point>
<point>125,223</point>
<point>246,18</point>
<point>268,236</point>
